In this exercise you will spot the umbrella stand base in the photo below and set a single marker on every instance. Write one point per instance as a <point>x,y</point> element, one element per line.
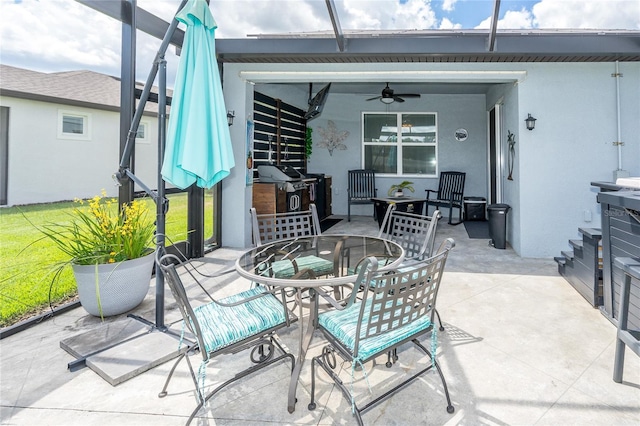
<point>123,349</point>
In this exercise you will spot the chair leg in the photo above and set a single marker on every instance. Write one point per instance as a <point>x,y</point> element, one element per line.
<point>202,399</point>
<point>327,359</point>
<point>451,216</point>
<point>441,328</point>
<point>450,408</point>
<point>182,356</point>
<point>312,403</point>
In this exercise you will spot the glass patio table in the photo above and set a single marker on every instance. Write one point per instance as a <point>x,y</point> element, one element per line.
<point>309,263</point>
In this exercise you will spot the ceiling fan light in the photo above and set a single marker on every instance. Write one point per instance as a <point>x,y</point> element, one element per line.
<point>386,100</point>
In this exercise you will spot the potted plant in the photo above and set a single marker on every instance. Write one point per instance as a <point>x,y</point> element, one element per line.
<point>109,252</point>
<point>398,190</point>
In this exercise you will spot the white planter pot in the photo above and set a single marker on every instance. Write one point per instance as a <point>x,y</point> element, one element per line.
<point>117,287</point>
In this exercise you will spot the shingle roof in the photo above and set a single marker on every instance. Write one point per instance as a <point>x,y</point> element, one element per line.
<point>80,88</point>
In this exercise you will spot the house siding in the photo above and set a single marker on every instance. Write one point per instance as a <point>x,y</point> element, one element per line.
<point>45,168</point>
<point>571,146</point>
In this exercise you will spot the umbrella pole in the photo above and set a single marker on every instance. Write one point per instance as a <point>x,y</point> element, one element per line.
<point>162,204</point>
<point>122,174</point>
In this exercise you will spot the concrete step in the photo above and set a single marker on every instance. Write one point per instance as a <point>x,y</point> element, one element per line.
<point>594,233</point>
<point>576,244</point>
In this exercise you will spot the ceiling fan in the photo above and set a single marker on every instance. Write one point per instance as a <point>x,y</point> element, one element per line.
<point>388,96</point>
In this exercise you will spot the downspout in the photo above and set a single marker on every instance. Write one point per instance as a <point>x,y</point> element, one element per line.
<point>618,172</point>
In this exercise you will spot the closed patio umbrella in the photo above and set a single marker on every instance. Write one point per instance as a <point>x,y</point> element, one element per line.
<point>198,148</point>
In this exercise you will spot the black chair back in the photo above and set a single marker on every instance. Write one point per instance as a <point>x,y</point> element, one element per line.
<point>361,188</point>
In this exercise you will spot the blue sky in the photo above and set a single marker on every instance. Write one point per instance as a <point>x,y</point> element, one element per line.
<point>63,35</point>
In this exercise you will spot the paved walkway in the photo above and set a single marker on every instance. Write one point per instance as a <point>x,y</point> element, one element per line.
<point>521,347</point>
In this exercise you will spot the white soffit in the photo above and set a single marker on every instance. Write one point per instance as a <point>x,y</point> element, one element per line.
<point>382,76</point>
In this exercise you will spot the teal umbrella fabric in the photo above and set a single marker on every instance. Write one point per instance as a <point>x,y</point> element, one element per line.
<point>198,148</point>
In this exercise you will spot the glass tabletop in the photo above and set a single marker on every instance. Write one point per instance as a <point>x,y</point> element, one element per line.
<point>315,261</point>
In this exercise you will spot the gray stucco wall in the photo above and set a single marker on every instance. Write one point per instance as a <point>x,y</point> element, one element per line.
<point>571,146</point>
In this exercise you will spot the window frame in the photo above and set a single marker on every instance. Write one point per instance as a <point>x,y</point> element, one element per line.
<point>399,144</point>
<point>145,124</point>
<point>86,125</point>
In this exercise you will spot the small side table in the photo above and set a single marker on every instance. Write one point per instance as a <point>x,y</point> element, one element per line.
<point>625,337</point>
<point>403,204</point>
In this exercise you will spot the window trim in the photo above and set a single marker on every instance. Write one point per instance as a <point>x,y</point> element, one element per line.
<point>145,139</point>
<point>400,145</point>
<point>86,125</point>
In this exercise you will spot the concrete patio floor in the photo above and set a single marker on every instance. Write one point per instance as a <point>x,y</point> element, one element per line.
<point>521,347</point>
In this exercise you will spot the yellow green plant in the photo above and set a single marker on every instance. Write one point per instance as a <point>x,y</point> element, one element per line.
<point>100,233</point>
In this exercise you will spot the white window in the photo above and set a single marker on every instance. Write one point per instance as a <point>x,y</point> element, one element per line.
<point>142,135</point>
<point>400,144</point>
<point>74,125</point>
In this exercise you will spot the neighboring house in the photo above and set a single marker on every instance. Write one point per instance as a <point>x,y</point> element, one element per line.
<point>60,136</point>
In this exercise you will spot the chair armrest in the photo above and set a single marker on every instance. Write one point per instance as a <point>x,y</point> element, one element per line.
<point>429,191</point>
<point>327,296</point>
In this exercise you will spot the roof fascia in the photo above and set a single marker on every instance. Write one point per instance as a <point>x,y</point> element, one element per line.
<point>65,101</point>
<point>524,44</point>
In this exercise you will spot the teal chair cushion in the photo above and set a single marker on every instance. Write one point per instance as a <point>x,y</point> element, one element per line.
<point>285,269</point>
<point>342,325</point>
<point>222,326</point>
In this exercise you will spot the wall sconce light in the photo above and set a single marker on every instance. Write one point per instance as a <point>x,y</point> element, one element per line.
<point>530,122</point>
<point>231,115</point>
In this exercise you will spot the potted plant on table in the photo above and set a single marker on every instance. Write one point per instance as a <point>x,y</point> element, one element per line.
<point>398,190</point>
<point>109,252</point>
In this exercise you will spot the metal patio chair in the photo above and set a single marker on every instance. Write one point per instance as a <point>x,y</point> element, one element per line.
<point>398,310</point>
<point>415,233</point>
<point>450,194</point>
<point>361,188</point>
<point>231,325</point>
<point>280,226</point>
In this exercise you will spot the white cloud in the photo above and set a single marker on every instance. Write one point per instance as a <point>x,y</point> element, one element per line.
<point>571,14</point>
<point>60,35</point>
<point>449,5</point>
<point>386,15</point>
<point>446,24</point>
<point>585,14</point>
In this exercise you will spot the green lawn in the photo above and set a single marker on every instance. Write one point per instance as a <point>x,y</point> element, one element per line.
<point>27,259</point>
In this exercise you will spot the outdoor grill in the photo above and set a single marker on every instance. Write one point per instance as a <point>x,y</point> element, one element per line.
<point>287,178</point>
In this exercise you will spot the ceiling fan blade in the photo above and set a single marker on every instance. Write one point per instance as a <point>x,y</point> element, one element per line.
<point>398,99</point>
<point>373,99</point>
<point>408,95</point>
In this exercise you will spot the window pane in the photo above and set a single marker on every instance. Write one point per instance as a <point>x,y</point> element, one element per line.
<point>71,124</point>
<point>382,159</point>
<point>419,160</point>
<point>419,128</point>
<point>380,127</point>
<point>140,132</point>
